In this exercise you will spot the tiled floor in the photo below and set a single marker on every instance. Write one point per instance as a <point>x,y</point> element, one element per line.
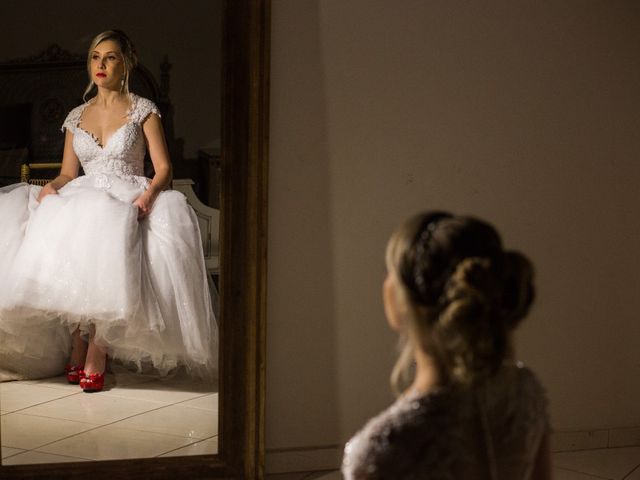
<point>607,463</point>
<point>49,420</point>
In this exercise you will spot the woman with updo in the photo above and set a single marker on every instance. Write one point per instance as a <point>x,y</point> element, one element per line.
<point>465,409</point>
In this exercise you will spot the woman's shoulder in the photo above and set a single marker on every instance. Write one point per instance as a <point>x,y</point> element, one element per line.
<point>73,117</point>
<point>526,382</point>
<point>416,429</point>
<point>518,399</point>
<point>141,108</point>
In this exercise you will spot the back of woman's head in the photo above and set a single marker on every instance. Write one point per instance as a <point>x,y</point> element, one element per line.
<point>464,291</point>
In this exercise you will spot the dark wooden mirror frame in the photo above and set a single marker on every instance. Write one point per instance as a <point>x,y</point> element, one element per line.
<point>245,117</point>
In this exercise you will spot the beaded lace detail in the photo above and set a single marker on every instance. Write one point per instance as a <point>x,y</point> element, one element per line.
<point>122,155</point>
<point>440,435</point>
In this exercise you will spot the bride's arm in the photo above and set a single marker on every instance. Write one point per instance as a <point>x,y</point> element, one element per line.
<point>68,171</point>
<point>154,135</point>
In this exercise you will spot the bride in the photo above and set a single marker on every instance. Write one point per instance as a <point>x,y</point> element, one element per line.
<point>110,262</point>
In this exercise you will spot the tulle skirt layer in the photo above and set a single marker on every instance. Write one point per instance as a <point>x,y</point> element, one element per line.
<point>82,259</point>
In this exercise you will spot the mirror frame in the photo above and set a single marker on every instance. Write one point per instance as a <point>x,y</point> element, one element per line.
<point>243,255</point>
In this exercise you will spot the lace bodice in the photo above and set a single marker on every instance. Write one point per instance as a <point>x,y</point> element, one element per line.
<point>441,435</point>
<point>123,154</point>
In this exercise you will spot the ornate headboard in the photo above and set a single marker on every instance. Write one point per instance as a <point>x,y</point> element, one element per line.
<point>37,92</point>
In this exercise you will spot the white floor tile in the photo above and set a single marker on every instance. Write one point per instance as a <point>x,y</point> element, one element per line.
<point>39,457</point>
<point>206,402</point>
<point>30,432</point>
<point>94,408</point>
<point>288,476</point>
<point>112,442</point>
<point>154,391</point>
<point>176,420</point>
<point>59,383</point>
<point>188,384</point>
<point>612,463</point>
<point>585,440</point>
<point>8,451</point>
<point>562,474</point>
<point>325,476</point>
<point>624,437</point>
<point>16,396</point>
<point>203,447</point>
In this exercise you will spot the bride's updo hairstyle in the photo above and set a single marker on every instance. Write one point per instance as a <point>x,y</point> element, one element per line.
<point>463,295</point>
<point>129,57</point>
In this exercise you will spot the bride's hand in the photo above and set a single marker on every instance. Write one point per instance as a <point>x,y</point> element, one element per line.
<point>48,189</point>
<point>144,203</point>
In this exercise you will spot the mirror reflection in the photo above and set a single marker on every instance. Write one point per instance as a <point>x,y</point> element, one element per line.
<point>108,304</point>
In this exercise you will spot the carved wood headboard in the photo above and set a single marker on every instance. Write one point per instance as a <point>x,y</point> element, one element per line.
<point>37,92</point>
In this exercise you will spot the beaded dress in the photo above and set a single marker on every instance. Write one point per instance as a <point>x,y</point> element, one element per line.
<point>82,258</point>
<point>490,432</point>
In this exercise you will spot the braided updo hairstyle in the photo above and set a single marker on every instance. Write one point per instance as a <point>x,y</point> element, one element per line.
<point>464,291</point>
<point>129,57</point>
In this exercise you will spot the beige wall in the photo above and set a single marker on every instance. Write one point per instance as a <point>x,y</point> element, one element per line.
<point>190,36</point>
<point>525,113</point>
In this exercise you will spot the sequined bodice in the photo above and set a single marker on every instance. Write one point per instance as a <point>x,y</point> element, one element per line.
<point>123,154</point>
<point>450,434</point>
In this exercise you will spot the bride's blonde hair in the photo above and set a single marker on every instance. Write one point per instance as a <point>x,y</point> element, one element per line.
<point>129,58</point>
<point>462,292</point>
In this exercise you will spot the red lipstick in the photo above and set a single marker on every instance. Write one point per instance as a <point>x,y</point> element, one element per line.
<point>100,74</point>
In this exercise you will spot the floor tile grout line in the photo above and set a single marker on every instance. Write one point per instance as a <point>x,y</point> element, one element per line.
<point>124,418</point>
<point>56,418</point>
<point>583,473</point>
<point>64,438</point>
<point>158,433</point>
<point>58,455</point>
<point>195,398</point>
<point>636,468</point>
<point>90,430</point>
<point>85,431</point>
<point>143,413</point>
<point>184,446</point>
<point>172,403</point>
<point>310,475</point>
<point>27,450</point>
<point>113,423</point>
<point>13,454</point>
<point>41,403</point>
<point>105,425</point>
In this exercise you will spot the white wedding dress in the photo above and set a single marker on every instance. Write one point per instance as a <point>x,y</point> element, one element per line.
<point>491,431</point>
<point>82,259</point>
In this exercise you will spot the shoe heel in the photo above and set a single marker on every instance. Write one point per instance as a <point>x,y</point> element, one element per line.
<point>74,373</point>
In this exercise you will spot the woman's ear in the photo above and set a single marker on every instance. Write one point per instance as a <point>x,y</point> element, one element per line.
<point>394,307</point>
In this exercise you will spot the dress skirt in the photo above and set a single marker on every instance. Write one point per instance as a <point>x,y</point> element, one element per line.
<point>82,259</point>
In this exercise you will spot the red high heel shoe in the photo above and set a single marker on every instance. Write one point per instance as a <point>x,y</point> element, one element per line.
<point>74,373</point>
<point>92,382</point>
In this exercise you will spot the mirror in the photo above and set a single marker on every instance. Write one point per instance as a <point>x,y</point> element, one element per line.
<point>44,419</point>
<point>242,268</point>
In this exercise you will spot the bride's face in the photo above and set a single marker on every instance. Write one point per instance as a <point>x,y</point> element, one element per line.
<point>107,65</point>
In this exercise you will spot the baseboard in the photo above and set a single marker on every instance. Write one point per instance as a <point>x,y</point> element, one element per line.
<point>566,441</point>
<point>303,459</point>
